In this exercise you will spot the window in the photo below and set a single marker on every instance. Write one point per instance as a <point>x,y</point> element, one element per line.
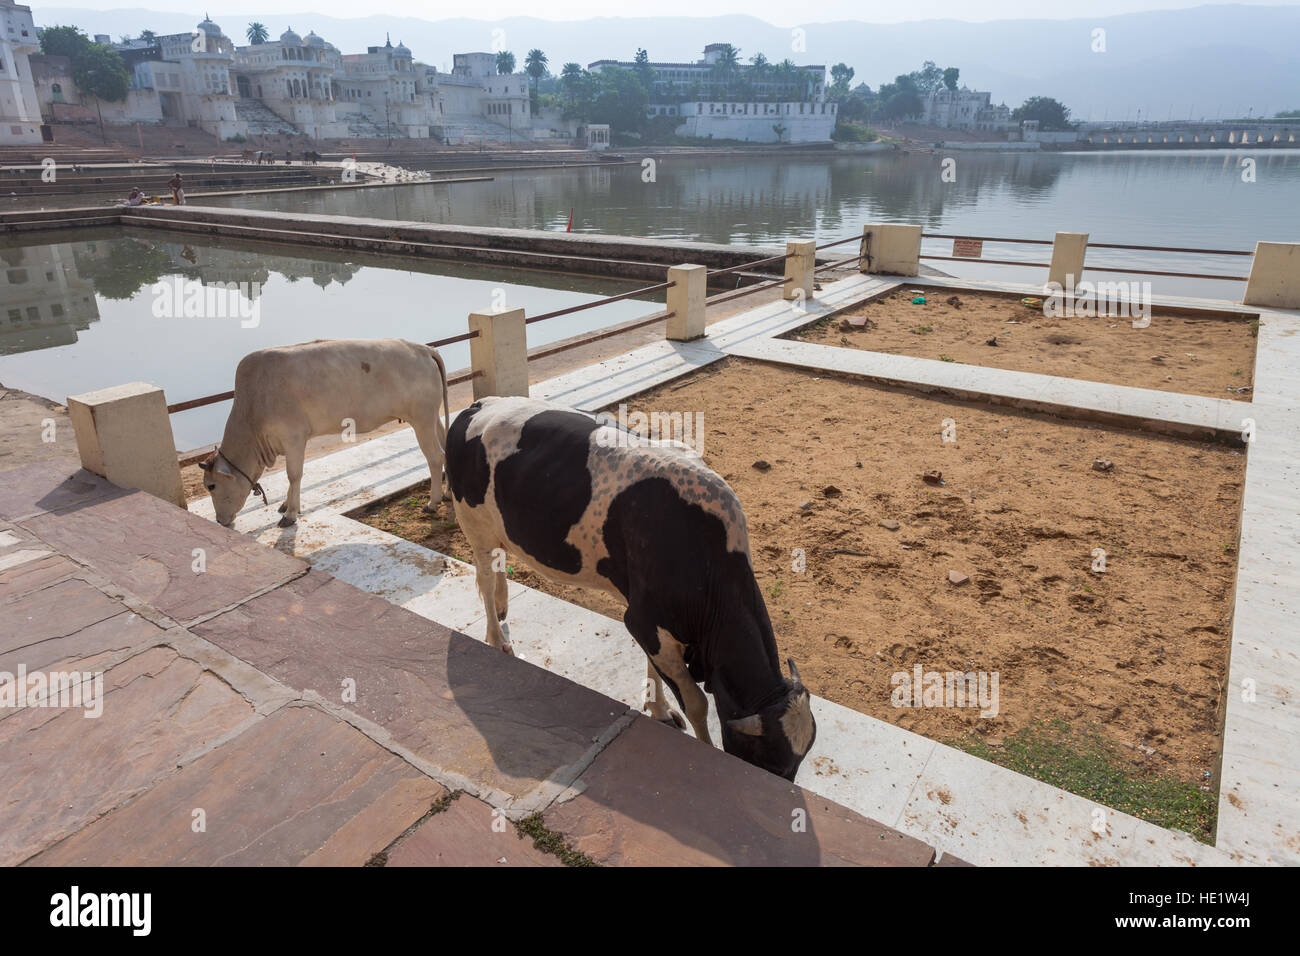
<point>56,310</point>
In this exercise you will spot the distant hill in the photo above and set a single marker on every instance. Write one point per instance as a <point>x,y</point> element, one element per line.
<point>1210,61</point>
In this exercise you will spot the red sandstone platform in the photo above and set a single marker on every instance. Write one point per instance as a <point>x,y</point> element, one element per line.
<point>300,720</point>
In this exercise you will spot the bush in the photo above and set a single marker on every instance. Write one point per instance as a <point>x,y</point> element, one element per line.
<point>237,138</point>
<point>853,133</point>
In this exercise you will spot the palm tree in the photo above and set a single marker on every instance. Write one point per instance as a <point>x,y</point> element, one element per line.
<point>257,33</point>
<point>535,64</point>
<point>570,77</point>
<point>726,66</point>
<point>505,63</point>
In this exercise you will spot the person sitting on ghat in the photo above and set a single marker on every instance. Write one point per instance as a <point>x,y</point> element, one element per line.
<point>177,188</point>
<point>135,198</point>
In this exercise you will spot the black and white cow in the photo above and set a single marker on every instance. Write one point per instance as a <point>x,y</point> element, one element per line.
<point>650,524</point>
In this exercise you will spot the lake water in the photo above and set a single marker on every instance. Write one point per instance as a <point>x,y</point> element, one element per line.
<point>1174,198</point>
<point>94,312</point>
<point>105,331</point>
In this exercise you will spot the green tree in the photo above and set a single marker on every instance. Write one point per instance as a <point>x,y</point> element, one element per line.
<point>535,65</point>
<point>505,63</point>
<point>644,71</point>
<point>1050,114</point>
<point>950,77</point>
<point>900,99</point>
<point>148,36</point>
<point>63,41</point>
<point>619,99</point>
<point>257,33</point>
<point>99,71</point>
<point>841,77</point>
<point>726,68</point>
<point>928,78</point>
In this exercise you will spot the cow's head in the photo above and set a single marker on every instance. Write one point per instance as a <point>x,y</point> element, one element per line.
<point>228,488</point>
<point>777,737</point>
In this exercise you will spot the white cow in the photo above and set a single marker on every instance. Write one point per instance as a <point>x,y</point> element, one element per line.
<point>286,395</point>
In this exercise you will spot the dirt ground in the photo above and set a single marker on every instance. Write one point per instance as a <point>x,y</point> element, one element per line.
<point>1140,649</point>
<point>1176,353</point>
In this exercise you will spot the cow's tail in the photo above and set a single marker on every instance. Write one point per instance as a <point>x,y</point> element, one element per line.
<point>446,406</point>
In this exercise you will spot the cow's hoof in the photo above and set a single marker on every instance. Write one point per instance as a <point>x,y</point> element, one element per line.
<point>287,522</point>
<point>430,509</point>
<point>673,719</point>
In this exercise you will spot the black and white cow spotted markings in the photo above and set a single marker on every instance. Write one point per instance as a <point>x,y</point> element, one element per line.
<point>652,525</point>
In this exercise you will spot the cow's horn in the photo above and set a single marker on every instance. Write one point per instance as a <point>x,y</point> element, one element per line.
<point>751,725</point>
<point>794,671</point>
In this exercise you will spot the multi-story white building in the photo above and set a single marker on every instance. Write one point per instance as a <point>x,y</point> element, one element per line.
<point>293,77</point>
<point>965,109</point>
<point>304,85</point>
<point>20,113</point>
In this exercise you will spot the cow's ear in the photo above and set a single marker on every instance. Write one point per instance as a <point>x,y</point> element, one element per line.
<point>206,463</point>
<point>751,726</point>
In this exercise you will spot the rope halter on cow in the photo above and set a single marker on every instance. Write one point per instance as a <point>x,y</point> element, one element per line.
<point>257,485</point>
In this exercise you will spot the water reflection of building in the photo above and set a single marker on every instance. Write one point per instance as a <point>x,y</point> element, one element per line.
<point>48,292</point>
<point>46,302</point>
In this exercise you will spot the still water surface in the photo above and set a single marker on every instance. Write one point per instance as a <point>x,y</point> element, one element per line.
<point>82,315</point>
<point>1200,199</point>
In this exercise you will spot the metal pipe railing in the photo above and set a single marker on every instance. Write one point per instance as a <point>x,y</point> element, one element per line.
<point>760,286</point>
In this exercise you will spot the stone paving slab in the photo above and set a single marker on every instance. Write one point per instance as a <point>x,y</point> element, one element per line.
<point>468,833</point>
<point>91,648</point>
<point>147,546</point>
<point>42,487</point>
<point>501,725</point>
<point>63,770</point>
<point>19,579</point>
<point>297,787</point>
<point>54,611</point>
<point>656,797</point>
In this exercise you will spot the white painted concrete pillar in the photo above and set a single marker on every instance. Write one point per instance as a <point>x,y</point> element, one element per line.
<point>686,302</point>
<point>1274,276</point>
<point>500,352</point>
<point>1068,251</point>
<point>891,248</point>
<point>799,269</point>
<point>124,434</point>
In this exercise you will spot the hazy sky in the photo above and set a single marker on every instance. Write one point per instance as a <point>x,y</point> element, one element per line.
<point>778,12</point>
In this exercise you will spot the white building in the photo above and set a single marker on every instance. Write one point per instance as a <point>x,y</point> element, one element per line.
<point>965,109</point>
<point>305,85</point>
<point>20,113</point>
<point>759,122</point>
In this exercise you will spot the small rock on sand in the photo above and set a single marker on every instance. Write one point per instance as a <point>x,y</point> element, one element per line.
<point>1102,464</point>
<point>956,577</point>
<point>933,477</point>
<point>889,524</point>
<point>762,465</point>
